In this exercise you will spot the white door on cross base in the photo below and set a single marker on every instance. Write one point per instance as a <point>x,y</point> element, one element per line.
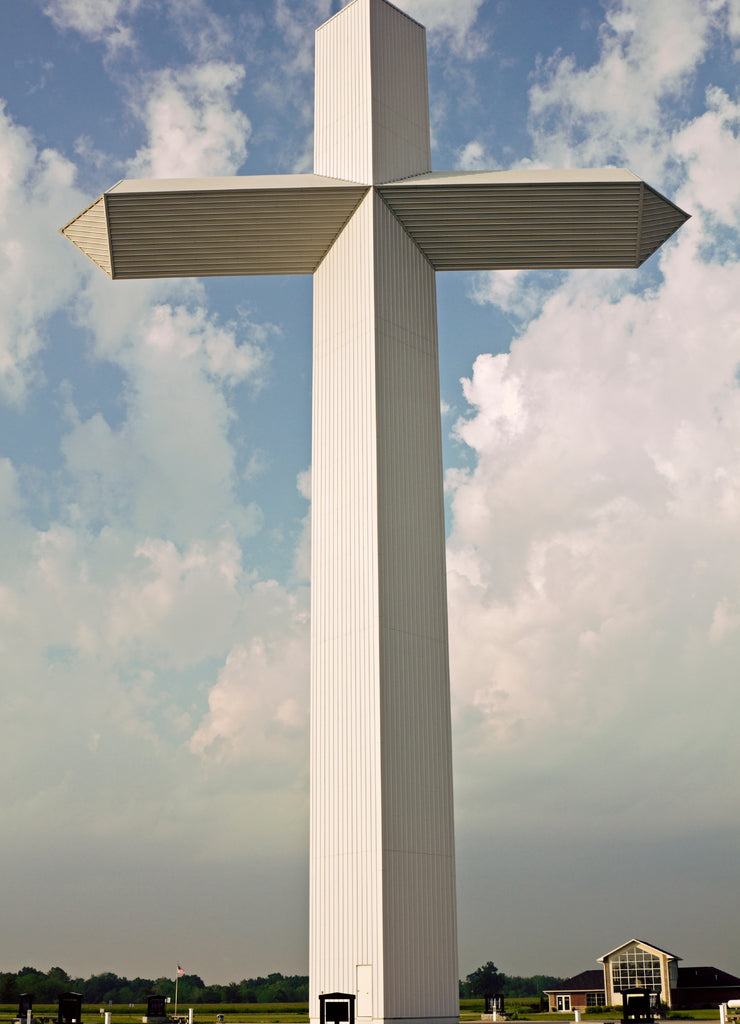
<point>563,1003</point>
<point>364,990</point>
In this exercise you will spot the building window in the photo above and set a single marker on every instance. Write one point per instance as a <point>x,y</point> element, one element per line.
<point>595,999</point>
<point>636,968</point>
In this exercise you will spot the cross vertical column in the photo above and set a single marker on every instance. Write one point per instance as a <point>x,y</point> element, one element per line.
<point>383,923</point>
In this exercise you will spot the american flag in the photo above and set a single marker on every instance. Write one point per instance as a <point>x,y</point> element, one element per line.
<point>180,971</point>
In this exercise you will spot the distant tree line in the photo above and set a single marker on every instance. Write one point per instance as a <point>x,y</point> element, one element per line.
<point>488,980</point>
<point>109,987</point>
<point>275,988</point>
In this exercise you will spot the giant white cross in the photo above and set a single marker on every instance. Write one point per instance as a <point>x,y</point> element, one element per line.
<point>373,224</point>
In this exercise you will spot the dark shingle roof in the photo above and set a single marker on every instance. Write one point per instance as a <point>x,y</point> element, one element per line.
<point>705,977</point>
<point>586,981</point>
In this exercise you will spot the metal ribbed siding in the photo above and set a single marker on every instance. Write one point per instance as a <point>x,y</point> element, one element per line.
<point>217,232</point>
<point>382,861</point>
<point>496,220</point>
<point>286,224</point>
<point>400,99</point>
<point>490,227</point>
<point>342,116</point>
<point>419,912</point>
<point>660,218</point>
<point>371,102</point>
<point>89,232</point>
<point>346,830</point>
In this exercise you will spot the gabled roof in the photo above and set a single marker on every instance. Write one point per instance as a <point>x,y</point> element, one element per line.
<point>649,945</point>
<point>586,981</point>
<point>705,977</point>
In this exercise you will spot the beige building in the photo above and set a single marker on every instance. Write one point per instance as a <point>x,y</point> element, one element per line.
<point>637,964</point>
<point>640,965</point>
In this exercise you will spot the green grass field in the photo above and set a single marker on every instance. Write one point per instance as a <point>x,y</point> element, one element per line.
<point>203,1013</point>
<point>297,1013</point>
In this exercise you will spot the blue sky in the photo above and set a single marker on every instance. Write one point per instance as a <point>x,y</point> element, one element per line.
<point>155,499</point>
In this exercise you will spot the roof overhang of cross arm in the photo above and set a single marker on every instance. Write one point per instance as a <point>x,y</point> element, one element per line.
<point>495,220</point>
<point>205,227</point>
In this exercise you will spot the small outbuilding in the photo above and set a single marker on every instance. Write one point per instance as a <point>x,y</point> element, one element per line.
<point>577,993</point>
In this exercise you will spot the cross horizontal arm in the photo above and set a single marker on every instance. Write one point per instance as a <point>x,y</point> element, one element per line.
<point>205,227</point>
<point>285,224</point>
<point>495,220</point>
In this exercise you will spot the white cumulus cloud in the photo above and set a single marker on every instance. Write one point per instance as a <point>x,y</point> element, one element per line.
<point>614,112</point>
<point>97,20</point>
<point>169,466</point>
<point>592,569</point>
<point>258,706</point>
<point>449,21</point>
<point>37,196</point>
<point>192,125</point>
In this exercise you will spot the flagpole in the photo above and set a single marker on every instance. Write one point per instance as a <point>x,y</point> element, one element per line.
<point>177,978</point>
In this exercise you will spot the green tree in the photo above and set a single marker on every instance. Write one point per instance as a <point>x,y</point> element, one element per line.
<point>43,989</point>
<point>8,988</point>
<point>163,987</point>
<point>531,986</point>
<point>142,987</point>
<point>483,981</point>
<point>99,988</point>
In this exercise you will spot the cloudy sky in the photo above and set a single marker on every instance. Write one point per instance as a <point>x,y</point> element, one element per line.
<point>155,499</point>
